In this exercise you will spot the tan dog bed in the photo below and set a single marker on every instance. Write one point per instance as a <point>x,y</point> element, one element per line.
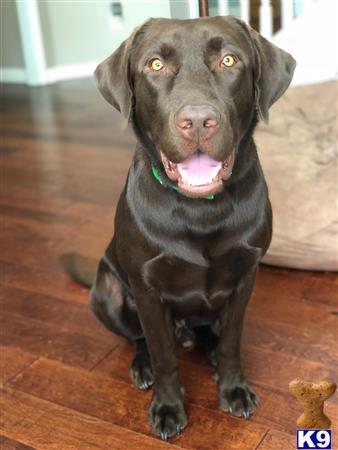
<point>298,152</point>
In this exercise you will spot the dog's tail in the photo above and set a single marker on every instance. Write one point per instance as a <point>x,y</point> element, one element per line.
<point>79,267</point>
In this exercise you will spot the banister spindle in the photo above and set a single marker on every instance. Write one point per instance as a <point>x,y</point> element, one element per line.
<point>265,18</point>
<point>203,8</point>
<point>223,7</point>
<point>287,12</point>
<point>245,10</point>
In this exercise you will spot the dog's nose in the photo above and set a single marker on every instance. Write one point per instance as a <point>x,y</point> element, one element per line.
<point>197,121</point>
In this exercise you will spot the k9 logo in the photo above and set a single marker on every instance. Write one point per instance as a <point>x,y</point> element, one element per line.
<point>313,439</point>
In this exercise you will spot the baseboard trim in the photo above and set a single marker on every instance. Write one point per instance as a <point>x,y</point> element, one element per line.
<point>51,74</point>
<point>12,75</point>
<point>69,72</point>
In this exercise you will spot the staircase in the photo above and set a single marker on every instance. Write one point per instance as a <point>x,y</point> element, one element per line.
<point>312,39</point>
<point>307,30</point>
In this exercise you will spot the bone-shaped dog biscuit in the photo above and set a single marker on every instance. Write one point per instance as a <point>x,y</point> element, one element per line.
<point>312,397</point>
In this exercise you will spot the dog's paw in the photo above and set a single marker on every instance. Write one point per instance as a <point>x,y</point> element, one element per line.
<point>167,420</point>
<point>238,399</point>
<point>141,373</point>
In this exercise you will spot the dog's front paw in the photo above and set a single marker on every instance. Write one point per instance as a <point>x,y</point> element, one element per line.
<point>167,420</point>
<point>238,399</point>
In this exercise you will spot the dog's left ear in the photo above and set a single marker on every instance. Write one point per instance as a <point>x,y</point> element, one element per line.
<point>113,78</point>
<point>273,72</point>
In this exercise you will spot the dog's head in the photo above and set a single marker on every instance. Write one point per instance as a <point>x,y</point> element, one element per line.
<point>193,87</point>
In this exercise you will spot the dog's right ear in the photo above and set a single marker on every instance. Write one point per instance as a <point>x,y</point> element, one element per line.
<point>113,78</point>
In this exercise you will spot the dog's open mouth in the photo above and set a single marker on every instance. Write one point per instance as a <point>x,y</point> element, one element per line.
<point>199,175</point>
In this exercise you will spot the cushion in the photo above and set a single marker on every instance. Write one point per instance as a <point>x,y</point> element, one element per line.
<point>298,152</point>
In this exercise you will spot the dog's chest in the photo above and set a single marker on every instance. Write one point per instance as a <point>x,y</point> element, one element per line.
<point>192,286</point>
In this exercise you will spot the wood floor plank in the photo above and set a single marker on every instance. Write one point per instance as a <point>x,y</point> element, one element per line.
<point>73,187</point>
<point>47,426</point>
<point>323,293</point>
<point>81,218</point>
<point>62,210</point>
<point>317,287</point>
<point>28,136</point>
<point>303,341</point>
<point>71,183</point>
<point>52,240</point>
<point>68,316</point>
<point>34,198</point>
<point>73,193</point>
<point>11,444</point>
<point>124,405</point>
<point>13,360</point>
<point>269,373</point>
<point>284,302</point>
<point>35,239</point>
<point>68,150</point>
<point>41,339</point>
<point>273,282</point>
<point>43,281</point>
<point>275,440</point>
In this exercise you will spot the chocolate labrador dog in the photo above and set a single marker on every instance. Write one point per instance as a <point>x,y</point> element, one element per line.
<point>194,218</point>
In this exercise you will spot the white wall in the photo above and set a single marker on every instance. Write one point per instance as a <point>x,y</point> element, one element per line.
<point>75,35</point>
<point>79,32</point>
<point>12,62</point>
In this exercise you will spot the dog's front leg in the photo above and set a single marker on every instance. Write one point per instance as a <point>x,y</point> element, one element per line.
<point>166,414</point>
<point>235,394</point>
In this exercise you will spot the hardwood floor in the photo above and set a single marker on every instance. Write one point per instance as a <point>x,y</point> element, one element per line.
<point>65,381</point>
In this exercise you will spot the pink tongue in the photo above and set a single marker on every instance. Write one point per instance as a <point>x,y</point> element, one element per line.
<point>199,169</point>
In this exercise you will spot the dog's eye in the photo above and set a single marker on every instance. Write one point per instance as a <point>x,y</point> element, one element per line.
<point>229,61</point>
<point>156,65</point>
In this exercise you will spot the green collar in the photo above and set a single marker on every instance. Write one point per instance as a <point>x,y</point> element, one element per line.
<point>173,186</point>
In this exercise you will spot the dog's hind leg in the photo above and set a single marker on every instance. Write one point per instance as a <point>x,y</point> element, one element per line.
<point>115,308</point>
<point>113,305</point>
<point>140,370</point>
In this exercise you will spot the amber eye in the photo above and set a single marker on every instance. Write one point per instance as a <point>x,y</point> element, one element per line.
<point>229,61</point>
<point>156,65</point>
